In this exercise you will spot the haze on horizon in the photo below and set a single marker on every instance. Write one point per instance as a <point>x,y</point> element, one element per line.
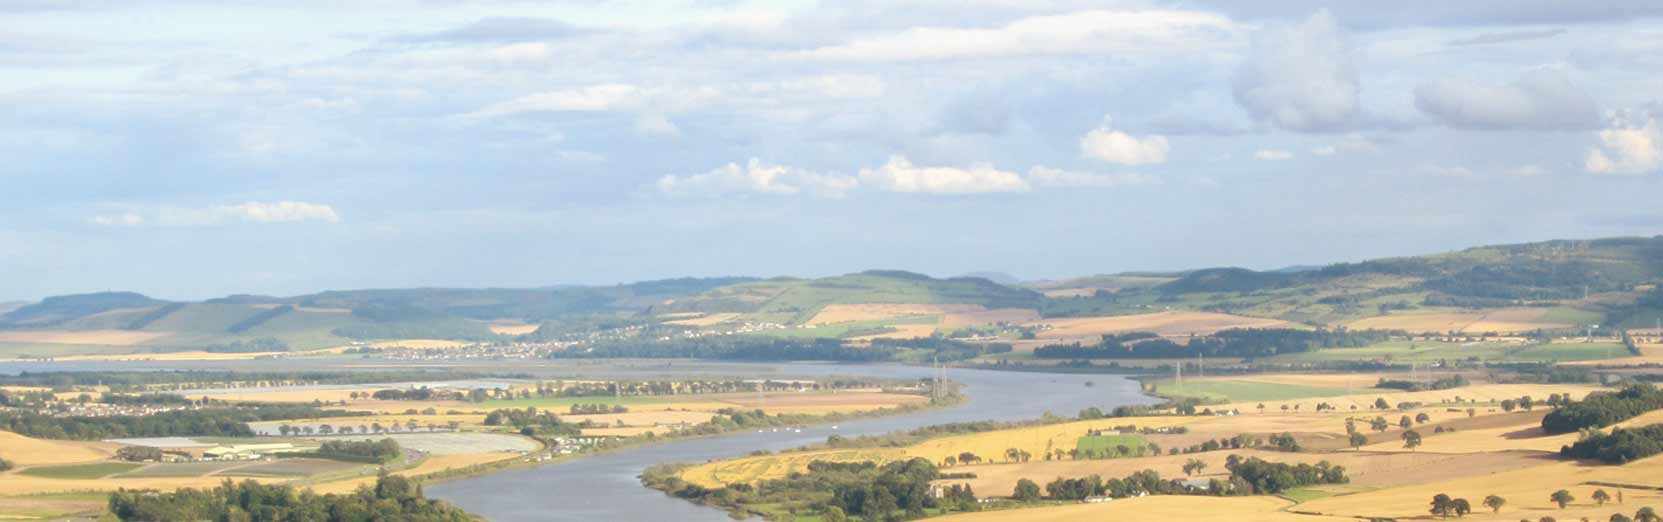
<point>189,149</point>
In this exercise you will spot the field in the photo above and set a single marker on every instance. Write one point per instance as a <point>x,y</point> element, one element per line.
<point>704,319</point>
<point>1172,324</point>
<point>1526,491</point>
<point>25,451</point>
<point>99,337</point>
<point>1494,350</point>
<point>80,471</point>
<point>1156,509</point>
<point>844,313</point>
<point>1503,320</point>
<point>1110,444</point>
<point>1243,389</point>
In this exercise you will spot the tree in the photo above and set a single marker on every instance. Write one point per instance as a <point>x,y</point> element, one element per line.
<point>1647,514</point>
<point>1381,404</point>
<point>1379,424</point>
<point>1619,517</point>
<point>1422,418</point>
<point>1601,496</point>
<point>1562,498</point>
<point>1411,439</point>
<point>1358,440</point>
<point>1026,491</point>
<point>1442,505</point>
<point>1494,502</point>
<point>1462,507</point>
<point>1404,422</point>
<point>1507,405</point>
<point>1194,466</point>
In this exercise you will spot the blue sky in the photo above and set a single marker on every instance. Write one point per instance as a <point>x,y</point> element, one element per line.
<point>190,149</point>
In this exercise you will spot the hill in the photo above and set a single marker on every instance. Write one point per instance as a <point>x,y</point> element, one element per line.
<point>796,300</point>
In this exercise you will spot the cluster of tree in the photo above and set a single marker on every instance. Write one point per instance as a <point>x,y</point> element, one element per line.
<point>138,453</point>
<point>1601,409</point>
<point>1443,383</point>
<point>26,399</point>
<point>422,393</point>
<point>392,498</point>
<point>1619,446</point>
<point>595,409</point>
<point>5,465</point>
<point>1238,342</point>
<point>833,491</point>
<point>1271,478</point>
<point>540,421</point>
<point>213,422</point>
<point>262,344</point>
<point>378,452</point>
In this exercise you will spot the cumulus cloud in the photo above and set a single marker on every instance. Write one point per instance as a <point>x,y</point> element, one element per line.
<point>1299,77</point>
<point>1542,99</point>
<point>900,175</point>
<point>1107,144</point>
<point>1627,148</point>
<point>756,176</point>
<point>1272,154</point>
<point>1042,176</point>
<point>1124,32</point>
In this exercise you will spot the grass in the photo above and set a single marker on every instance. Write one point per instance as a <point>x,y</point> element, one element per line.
<point>1434,351</point>
<point>1242,390</point>
<point>81,471</point>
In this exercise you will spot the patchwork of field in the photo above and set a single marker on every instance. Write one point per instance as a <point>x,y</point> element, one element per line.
<point>900,331</point>
<point>1171,324</point>
<point>984,317</point>
<point>452,443</point>
<point>844,313</point>
<point>1246,389</point>
<point>1484,393</point>
<point>98,337</point>
<point>1494,350</point>
<point>1156,509</point>
<point>1526,490</point>
<point>1503,320</point>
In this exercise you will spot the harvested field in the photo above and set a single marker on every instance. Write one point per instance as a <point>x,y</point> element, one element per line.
<point>1365,469</point>
<point>845,313</point>
<point>20,484</point>
<point>1160,508</point>
<point>24,451</point>
<point>1171,324</point>
<point>103,337</point>
<point>1481,393</point>
<point>901,331</point>
<point>704,320</point>
<point>1526,491</point>
<point>513,328</point>
<point>984,317</point>
<point>1504,320</point>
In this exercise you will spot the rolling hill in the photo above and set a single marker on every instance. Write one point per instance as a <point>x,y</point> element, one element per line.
<point>1552,284</point>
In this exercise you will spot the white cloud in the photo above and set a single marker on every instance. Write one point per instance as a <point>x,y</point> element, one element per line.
<point>255,212</point>
<point>900,175</point>
<point>1541,99</point>
<point>1119,32</point>
<point>755,176</point>
<point>1043,176</point>
<point>1446,171</point>
<point>602,97</point>
<point>1526,171</point>
<point>1300,77</point>
<point>1114,146</point>
<point>1272,154</point>
<point>125,219</point>
<point>1627,148</point>
<point>1349,144</point>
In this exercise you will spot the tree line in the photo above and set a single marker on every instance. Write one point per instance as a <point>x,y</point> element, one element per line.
<point>392,498</point>
<point>1601,409</point>
<point>1238,342</point>
<point>213,422</point>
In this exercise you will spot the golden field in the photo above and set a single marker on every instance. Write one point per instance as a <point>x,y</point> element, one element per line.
<point>844,313</point>
<point>1504,320</point>
<point>1156,509</point>
<point>103,337</point>
<point>704,319</point>
<point>1171,324</point>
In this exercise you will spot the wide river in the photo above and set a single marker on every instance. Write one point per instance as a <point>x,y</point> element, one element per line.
<point>605,487</point>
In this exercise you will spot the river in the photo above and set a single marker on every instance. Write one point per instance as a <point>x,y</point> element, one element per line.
<point>605,486</point>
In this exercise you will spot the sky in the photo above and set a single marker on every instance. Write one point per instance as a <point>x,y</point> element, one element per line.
<point>194,148</point>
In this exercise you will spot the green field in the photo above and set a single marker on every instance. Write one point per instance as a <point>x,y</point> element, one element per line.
<point>1109,444</point>
<point>1433,351</point>
<point>1240,391</point>
<point>81,471</point>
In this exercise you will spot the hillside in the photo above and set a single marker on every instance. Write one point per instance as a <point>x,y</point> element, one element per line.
<point>1553,285</point>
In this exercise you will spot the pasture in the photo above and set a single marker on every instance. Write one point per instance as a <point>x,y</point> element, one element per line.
<point>80,471</point>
